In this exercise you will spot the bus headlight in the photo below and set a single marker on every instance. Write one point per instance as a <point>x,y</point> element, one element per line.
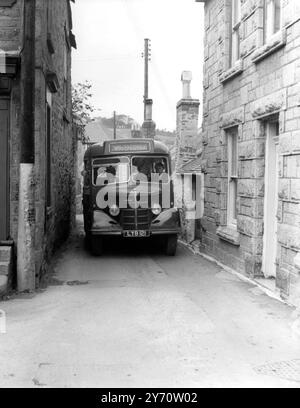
<point>156,209</point>
<point>114,210</point>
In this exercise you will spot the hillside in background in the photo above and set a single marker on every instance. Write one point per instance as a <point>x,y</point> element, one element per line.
<point>168,138</point>
<point>101,129</point>
<point>98,131</point>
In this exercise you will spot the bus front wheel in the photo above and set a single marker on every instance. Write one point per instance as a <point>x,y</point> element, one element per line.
<point>97,245</point>
<point>171,245</point>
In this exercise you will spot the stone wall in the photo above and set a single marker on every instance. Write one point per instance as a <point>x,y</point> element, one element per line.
<point>264,82</point>
<point>53,223</point>
<point>53,68</point>
<point>11,17</point>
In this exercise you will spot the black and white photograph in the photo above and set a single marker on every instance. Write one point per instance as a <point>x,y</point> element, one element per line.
<point>149,197</point>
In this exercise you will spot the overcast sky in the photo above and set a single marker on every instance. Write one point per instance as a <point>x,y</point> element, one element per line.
<point>110,37</point>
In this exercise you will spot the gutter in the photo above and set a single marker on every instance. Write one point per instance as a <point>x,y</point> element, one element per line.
<point>239,275</point>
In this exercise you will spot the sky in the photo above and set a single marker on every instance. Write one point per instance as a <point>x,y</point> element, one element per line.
<point>110,40</point>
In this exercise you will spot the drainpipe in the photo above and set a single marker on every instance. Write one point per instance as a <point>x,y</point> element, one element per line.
<point>26,219</point>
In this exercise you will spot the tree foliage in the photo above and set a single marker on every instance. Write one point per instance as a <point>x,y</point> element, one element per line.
<point>82,107</point>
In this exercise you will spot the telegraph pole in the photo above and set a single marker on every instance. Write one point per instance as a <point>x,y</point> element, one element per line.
<point>147,57</point>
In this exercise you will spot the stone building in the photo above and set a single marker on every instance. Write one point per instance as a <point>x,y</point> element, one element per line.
<point>187,161</point>
<point>252,139</point>
<point>187,115</point>
<point>36,140</point>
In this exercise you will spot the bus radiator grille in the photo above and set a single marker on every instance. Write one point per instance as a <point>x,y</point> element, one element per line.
<point>138,219</point>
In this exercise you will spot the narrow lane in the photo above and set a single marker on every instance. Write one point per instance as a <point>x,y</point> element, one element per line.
<point>136,318</point>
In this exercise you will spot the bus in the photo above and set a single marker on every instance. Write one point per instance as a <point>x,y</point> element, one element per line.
<point>128,192</point>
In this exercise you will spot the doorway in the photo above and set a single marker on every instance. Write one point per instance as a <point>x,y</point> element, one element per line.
<point>271,199</point>
<point>4,189</point>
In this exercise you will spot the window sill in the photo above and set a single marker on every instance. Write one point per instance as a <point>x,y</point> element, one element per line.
<point>274,44</point>
<point>7,243</point>
<point>229,234</point>
<point>232,72</point>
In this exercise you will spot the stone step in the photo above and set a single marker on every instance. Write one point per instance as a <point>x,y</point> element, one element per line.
<point>4,268</point>
<point>3,284</point>
<point>5,253</point>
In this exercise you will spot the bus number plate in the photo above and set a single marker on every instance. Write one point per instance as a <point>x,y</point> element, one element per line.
<point>136,234</point>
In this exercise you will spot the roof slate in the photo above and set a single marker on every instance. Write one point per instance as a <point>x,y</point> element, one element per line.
<point>192,166</point>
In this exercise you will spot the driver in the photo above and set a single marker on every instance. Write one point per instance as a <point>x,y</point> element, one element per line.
<point>145,168</point>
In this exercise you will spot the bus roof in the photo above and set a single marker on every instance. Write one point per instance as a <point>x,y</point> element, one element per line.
<point>126,146</point>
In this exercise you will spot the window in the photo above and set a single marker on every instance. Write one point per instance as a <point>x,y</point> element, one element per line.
<point>232,146</point>
<point>194,187</point>
<point>154,168</point>
<point>272,18</point>
<point>235,31</point>
<point>110,171</point>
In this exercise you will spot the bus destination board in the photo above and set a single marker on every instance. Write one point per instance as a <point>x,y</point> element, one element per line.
<point>130,147</point>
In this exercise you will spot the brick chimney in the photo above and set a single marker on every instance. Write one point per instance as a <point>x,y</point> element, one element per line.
<point>187,122</point>
<point>149,126</point>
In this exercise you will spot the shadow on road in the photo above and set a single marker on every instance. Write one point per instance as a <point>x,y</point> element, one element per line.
<point>130,247</point>
<point>118,246</point>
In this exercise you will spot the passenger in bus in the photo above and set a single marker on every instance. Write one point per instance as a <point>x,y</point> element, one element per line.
<point>106,175</point>
<point>101,174</point>
<point>111,170</point>
<point>160,168</point>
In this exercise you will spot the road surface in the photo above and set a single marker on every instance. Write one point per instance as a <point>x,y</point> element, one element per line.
<point>136,318</point>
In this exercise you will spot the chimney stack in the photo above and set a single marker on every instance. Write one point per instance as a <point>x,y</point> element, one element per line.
<point>187,123</point>
<point>149,126</point>
<point>186,78</point>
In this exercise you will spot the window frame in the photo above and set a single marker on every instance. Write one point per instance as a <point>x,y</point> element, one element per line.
<point>108,160</point>
<point>232,136</point>
<point>270,19</point>
<point>235,24</point>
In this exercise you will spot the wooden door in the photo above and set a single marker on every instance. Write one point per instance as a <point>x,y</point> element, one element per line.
<point>271,201</point>
<point>4,133</point>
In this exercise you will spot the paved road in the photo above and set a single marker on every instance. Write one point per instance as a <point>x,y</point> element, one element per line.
<point>135,318</point>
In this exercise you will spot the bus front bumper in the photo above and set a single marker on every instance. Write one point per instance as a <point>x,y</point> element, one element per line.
<point>168,222</point>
